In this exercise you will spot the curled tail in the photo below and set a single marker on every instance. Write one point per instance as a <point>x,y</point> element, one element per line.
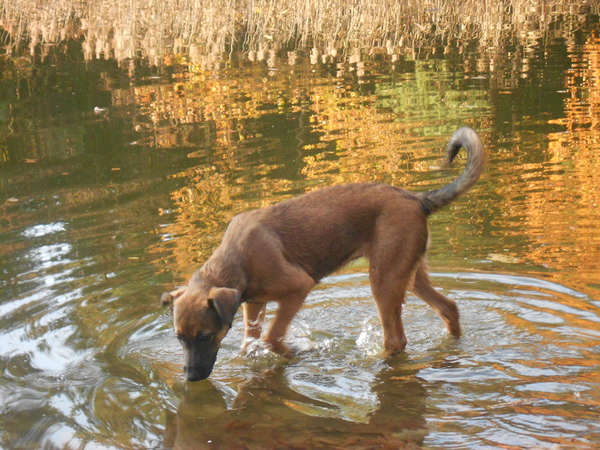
<point>467,138</point>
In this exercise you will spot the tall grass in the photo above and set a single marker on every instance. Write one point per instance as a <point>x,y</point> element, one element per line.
<point>210,29</point>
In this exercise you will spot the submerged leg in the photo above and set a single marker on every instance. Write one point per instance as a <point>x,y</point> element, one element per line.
<point>390,298</point>
<point>394,256</point>
<point>275,337</point>
<point>254,316</point>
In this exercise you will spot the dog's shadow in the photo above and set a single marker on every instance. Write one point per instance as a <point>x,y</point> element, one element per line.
<point>268,413</point>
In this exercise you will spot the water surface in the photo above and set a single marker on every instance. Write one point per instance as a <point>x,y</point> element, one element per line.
<point>118,177</point>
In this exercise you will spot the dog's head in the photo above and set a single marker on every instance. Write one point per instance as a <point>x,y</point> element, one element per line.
<point>202,318</point>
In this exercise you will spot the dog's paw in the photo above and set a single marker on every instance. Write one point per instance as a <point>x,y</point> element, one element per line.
<point>286,351</point>
<point>281,348</point>
<point>290,352</point>
<point>253,348</point>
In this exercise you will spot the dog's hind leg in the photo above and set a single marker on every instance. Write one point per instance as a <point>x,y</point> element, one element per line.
<point>442,305</point>
<point>394,254</point>
<point>389,297</point>
<point>389,282</point>
<point>254,316</point>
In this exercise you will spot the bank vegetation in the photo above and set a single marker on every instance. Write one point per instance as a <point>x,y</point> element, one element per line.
<point>210,30</point>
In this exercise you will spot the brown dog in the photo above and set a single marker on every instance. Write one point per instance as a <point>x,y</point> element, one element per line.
<point>280,252</point>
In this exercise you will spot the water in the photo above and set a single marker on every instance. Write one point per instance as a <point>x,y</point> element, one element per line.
<point>117,181</point>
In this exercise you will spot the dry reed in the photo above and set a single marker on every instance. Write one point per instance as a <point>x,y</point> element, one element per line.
<point>211,29</point>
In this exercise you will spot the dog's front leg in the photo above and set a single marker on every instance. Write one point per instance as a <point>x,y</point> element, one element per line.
<point>254,316</point>
<point>275,338</point>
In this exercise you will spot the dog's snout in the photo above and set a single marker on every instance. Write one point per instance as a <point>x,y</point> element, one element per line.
<point>200,360</point>
<point>196,373</point>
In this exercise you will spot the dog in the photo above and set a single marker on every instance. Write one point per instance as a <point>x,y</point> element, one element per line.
<point>280,252</point>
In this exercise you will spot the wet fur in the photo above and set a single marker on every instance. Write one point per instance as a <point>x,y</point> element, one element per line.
<point>279,253</point>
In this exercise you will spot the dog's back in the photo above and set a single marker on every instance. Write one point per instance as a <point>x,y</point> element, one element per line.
<point>323,230</point>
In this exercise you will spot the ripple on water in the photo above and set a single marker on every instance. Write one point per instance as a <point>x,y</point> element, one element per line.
<point>524,373</point>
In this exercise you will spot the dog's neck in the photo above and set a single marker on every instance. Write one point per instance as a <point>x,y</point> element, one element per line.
<point>223,271</point>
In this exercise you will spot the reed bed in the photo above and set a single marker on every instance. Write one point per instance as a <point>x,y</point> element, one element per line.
<point>210,30</point>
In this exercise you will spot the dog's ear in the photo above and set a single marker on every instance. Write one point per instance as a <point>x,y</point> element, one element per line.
<point>169,297</point>
<point>226,302</point>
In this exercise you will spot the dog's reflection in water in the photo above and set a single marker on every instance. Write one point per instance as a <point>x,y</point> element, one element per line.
<point>268,413</point>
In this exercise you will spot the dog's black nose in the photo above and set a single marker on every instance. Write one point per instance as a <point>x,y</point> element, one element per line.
<point>195,377</point>
<point>196,373</point>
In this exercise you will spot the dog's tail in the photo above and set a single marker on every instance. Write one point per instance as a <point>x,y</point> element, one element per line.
<point>467,138</point>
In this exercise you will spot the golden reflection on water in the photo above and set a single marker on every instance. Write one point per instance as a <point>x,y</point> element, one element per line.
<point>392,133</point>
<point>341,135</point>
<point>562,208</point>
